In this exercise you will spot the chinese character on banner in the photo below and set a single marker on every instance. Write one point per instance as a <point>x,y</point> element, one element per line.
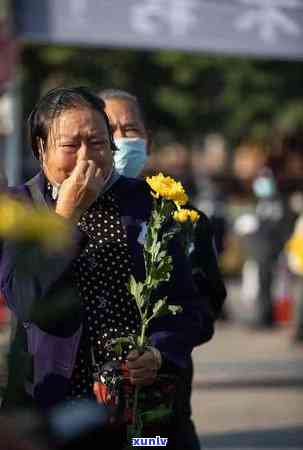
<point>178,16</point>
<point>269,18</point>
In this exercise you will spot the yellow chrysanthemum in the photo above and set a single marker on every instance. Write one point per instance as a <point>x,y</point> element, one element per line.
<point>294,249</point>
<point>194,215</point>
<point>25,223</point>
<point>167,188</point>
<point>183,215</point>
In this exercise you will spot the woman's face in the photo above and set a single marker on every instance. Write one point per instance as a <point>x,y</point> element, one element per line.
<point>77,134</point>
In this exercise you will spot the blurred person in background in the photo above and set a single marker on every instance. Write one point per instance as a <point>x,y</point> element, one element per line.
<point>248,160</point>
<point>286,162</point>
<point>209,165</point>
<point>174,160</point>
<point>263,224</point>
<point>128,124</point>
<point>71,303</point>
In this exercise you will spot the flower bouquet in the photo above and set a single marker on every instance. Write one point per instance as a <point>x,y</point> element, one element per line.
<point>167,218</point>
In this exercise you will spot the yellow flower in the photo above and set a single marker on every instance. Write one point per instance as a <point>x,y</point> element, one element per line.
<point>167,188</point>
<point>25,223</point>
<point>194,215</point>
<point>183,215</point>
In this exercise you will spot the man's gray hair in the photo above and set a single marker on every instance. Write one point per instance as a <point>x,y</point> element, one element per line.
<point>109,94</point>
<point>119,94</point>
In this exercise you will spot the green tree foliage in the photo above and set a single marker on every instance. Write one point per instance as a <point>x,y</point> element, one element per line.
<point>185,94</point>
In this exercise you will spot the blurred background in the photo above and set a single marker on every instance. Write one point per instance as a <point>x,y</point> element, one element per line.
<point>220,83</point>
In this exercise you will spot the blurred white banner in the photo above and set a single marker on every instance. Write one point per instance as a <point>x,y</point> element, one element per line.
<point>253,27</point>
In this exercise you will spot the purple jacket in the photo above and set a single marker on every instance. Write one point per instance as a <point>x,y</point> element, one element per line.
<point>40,291</point>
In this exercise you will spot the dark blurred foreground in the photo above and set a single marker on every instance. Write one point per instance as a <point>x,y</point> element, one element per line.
<point>77,425</point>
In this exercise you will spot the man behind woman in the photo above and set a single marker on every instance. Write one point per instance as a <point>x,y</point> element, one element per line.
<point>133,140</point>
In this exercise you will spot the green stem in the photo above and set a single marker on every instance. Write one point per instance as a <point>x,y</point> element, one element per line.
<point>142,337</point>
<point>141,340</point>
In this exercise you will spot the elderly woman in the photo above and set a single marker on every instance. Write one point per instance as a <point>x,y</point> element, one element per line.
<point>71,303</point>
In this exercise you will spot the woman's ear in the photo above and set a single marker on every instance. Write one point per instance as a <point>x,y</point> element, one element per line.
<point>41,150</point>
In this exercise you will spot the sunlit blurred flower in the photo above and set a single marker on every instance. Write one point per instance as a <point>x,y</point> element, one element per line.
<point>25,223</point>
<point>294,250</point>
<point>183,215</point>
<point>167,188</point>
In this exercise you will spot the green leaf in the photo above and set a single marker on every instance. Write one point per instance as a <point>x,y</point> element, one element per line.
<point>162,271</point>
<point>136,288</point>
<point>159,272</point>
<point>155,249</point>
<point>149,239</point>
<point>161,255</point>
<point>174,309</point>
<point>158,306</point>
<point>156,220</point>
<point>162,308</point>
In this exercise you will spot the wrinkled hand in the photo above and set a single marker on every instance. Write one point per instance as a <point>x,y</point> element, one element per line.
<point>79,190</point>
<point>142,368</point>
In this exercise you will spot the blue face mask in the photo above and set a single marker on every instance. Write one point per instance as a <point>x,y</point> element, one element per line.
<point>130,156</point>
<point>264,187</point>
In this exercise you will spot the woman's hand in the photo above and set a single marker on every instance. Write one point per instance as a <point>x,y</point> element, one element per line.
<point>143,367</point>
<point>79,190</point>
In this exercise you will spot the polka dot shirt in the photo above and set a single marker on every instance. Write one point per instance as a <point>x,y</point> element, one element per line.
<point>101,273</point>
